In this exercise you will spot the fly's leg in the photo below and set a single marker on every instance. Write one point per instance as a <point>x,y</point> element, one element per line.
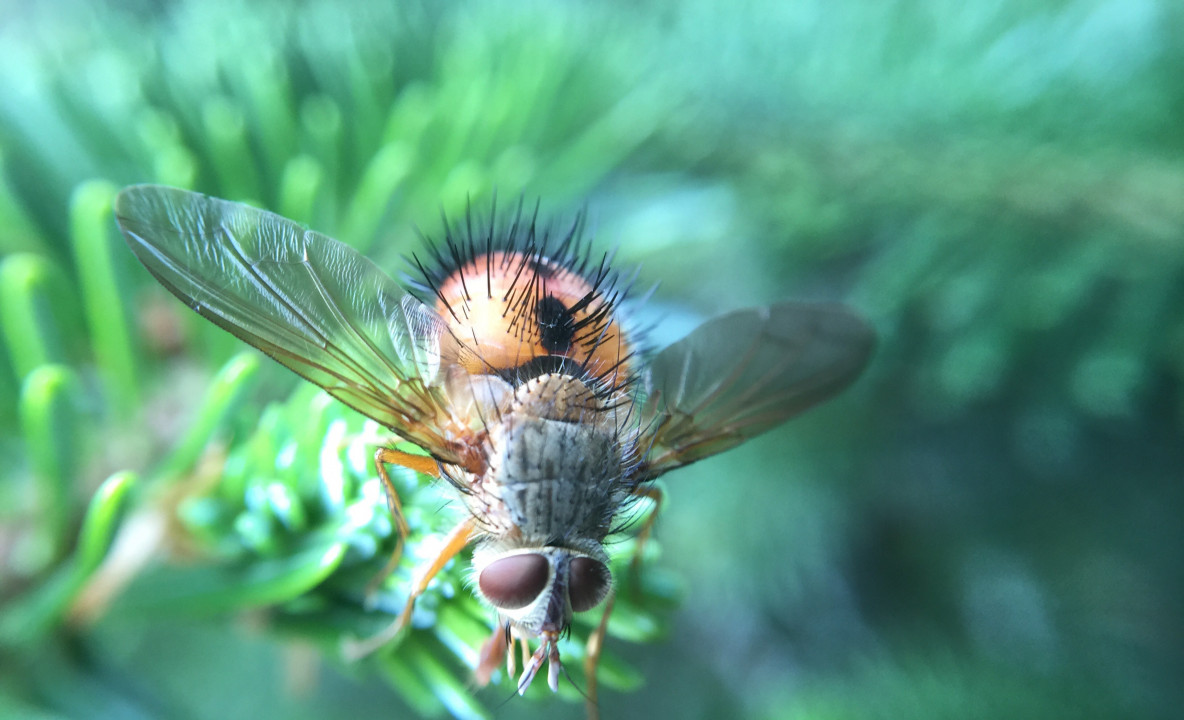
<point>596,639</point>
<point>456,540</point>
<point>495,648</point>
<point>592,658</point>
<point>419,463</point>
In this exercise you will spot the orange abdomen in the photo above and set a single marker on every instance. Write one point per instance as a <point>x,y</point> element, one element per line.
<point>508,309</point>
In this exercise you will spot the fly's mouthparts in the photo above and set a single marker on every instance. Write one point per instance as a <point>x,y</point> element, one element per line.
<point>549,647</point>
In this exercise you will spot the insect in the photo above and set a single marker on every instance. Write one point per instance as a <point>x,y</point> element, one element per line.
<point>513,367</point>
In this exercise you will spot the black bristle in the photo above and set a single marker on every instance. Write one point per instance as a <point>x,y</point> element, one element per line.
<point>489,248</point>
<point>469,229</point>
<point>459,261</point>
<point>431,283</point>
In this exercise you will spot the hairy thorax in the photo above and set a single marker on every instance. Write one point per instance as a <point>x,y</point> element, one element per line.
<point>557,463</point>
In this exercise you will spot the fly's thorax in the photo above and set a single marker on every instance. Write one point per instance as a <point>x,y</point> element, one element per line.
<point>538,588</point>
<point>558,461</point>
<point>577,401</point>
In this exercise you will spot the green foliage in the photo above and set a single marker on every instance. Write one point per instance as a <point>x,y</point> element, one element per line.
<point>986,526</point>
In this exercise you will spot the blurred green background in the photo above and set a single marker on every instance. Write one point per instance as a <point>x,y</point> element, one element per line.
<point>988,525</point>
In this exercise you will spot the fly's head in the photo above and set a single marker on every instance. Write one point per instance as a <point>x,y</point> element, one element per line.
<point>537,589</point>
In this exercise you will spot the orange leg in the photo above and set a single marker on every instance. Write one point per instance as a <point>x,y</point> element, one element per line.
<point>596,639</point>
<point>592,657</point>
<point>456,540</point>
<point>497,646</point>
<point>419,463</point>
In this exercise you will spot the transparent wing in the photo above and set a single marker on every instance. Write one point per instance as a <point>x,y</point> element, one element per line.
<point>309,301</point>
<point>742,373</point>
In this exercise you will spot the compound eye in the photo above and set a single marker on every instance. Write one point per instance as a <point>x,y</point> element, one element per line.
<point>514,581</point>
<point>588,583</point>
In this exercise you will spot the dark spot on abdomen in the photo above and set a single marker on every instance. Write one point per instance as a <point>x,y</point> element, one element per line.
<point>557,327</point>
